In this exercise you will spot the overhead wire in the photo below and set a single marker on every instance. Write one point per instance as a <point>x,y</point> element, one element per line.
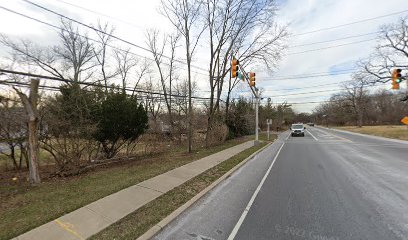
<point>139,97</point>
<point>82,36</point>
<point>321,91</point>
<point>330,47</point>
<point>90,27</point>
<point>94,84</point>
<point>131,24</point>
<point>334,40</point>
<point>351,23</point>
<point>86,37</point>
<point>303,76</point>
<point>103,32</point>
<point>101,14</point>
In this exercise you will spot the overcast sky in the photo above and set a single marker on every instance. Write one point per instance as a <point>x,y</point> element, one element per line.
<point>131,18</point>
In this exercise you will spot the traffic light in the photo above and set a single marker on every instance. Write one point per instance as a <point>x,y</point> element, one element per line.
<point>396,78</point>
<point>234,68</point>
<point>252,79</point>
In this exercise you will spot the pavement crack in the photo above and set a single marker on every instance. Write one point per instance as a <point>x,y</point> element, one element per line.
<point>150,189</point>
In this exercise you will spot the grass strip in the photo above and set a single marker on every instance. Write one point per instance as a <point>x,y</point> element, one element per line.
<point>24,207</point>
<point>388,131</point>
<point>138,222</point>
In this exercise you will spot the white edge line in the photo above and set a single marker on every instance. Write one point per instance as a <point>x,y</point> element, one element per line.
<point>288,136</point>
<point>246,210</point>
<point>315,138</point>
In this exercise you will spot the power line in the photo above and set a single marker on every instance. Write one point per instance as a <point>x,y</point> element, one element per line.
<point>95,85</point>
<point>57,89</point>
<point>300,88</point>
<point>137,26</point>
<point>51,88</point>
<point>305,76</point>
<point>314,73</point>
<point>103,32</point>
<point>329,47</point>
<point>336,39</point>
<point>351,23</point>
<point>300,103</point>
<point>328,90</point>
<point>101,14</point>
<point>62,29</point>
<point>314,86</point>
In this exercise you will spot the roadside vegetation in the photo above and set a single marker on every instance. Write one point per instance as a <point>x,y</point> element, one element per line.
<point>388,131</point>
<point>31,206</point>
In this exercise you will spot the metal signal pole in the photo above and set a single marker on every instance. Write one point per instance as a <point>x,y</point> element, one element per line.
<point>250,79</point>
<point>256,117</point>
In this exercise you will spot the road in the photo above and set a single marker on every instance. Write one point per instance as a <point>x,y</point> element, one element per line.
<point>327,185</point>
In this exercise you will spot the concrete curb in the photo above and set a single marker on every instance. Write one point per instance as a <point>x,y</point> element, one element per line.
<point>367,135</point>
<point>159,226</point>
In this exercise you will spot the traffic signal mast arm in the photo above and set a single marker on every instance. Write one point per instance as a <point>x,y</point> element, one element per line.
<point>235,66</point>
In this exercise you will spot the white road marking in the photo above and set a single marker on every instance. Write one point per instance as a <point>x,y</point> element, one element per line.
<point>312,135</point>
<point>334,136</point>
<point>249,205</point>
<point>288,137</point>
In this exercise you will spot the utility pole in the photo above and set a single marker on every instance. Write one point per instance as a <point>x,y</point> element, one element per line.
<point>256,117</point>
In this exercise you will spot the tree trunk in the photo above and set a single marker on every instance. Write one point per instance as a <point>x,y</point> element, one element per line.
<point>227,106</point>
<point>360,118</point>
<point>33,151</point>
<point>30,105</point>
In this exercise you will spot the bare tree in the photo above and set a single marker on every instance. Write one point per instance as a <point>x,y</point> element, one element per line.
<point>356,96</point>
<point>125,63</point>
<point>152,103</point>
<point>104,34</point>
<point>143,69</point>
<point>181,107</point>
<point>183,14</point>
<point>157,50</point>
<point>76,53</point>
<point>72,59</point>
<point>243,29</point>
<point>13,129</point>
<point>173,44</point>
<point>392,52</point>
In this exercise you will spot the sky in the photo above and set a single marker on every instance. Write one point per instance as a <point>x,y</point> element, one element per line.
<point>312,24</point>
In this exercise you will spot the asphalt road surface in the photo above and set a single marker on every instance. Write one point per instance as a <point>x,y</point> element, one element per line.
<point>328,185</point>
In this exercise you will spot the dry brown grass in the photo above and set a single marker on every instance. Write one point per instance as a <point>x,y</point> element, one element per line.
<point>389,131</point>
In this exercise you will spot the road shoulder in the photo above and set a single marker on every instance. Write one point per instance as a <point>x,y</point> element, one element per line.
<point>367,135</point>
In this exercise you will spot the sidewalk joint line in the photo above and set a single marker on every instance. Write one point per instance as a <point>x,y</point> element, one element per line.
<point>98,213</point>
<point>150,188</point>
<point>68,227</point>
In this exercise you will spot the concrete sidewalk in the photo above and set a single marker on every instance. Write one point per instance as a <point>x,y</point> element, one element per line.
<point>94,217</point>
